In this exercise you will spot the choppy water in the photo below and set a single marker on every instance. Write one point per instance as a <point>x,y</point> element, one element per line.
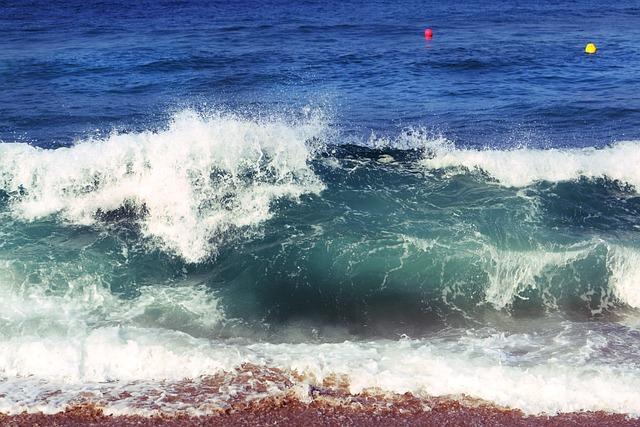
<point>187,188</point>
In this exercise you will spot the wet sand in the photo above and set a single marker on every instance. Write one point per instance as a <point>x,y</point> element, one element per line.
<point>404,410</point>
<point>270,396</point>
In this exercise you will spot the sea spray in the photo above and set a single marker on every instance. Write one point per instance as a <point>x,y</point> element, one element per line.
<point>188,185</point>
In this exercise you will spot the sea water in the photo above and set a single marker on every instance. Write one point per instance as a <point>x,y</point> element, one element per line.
<point>190,189</point>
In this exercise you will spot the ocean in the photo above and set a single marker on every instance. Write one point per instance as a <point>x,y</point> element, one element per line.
<point>206,203</point>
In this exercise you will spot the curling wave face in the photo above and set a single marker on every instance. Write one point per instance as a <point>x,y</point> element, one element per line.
<point>131,262</point>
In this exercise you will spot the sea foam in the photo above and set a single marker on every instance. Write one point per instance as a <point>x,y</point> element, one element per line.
<point>189,184</point>
<point>524,166</point>
<point>133,363</point>
<point>624,267</point>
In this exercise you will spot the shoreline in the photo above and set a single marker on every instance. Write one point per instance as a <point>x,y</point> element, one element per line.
<point>257,395</point>
<point>331,410</point>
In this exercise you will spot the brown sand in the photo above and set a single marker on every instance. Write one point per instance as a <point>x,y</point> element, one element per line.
<point>403,410</point>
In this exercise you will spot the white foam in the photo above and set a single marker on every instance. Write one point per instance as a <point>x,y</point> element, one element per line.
<point>478,366</point>
<point>512,272</point>
<point>195,180</point>
<point>624,267</point>
<point>49,311</point>
<point>525,166</point>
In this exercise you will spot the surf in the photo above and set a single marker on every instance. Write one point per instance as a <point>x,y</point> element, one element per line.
<point>219,244</point>
<point>188,185</point>
<point>522,167</point>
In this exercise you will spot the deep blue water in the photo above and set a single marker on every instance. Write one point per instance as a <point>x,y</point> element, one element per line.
<point>496,73</point>
<point>188,187</point>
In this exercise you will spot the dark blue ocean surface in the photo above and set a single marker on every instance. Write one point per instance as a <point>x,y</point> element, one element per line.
<point>191,188</point>
<point>496,72</point>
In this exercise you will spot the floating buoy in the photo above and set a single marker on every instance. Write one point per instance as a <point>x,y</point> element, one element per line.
<point>590,48</point>
<point>428,34</point>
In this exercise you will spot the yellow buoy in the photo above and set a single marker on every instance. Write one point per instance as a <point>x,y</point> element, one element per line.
<point>590,48</point>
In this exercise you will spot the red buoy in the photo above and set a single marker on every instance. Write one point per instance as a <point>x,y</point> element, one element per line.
<point>428,34</point>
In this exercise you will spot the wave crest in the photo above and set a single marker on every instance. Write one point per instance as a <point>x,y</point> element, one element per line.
<point>525,166</point>
<point>188,184</point>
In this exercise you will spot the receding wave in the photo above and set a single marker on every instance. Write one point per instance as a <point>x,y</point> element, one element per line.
<point>146,371</point>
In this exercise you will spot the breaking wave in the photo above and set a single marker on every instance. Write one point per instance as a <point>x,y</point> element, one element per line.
<point>512,295</point>
<point>525,166</point>
<point>188,185</point>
